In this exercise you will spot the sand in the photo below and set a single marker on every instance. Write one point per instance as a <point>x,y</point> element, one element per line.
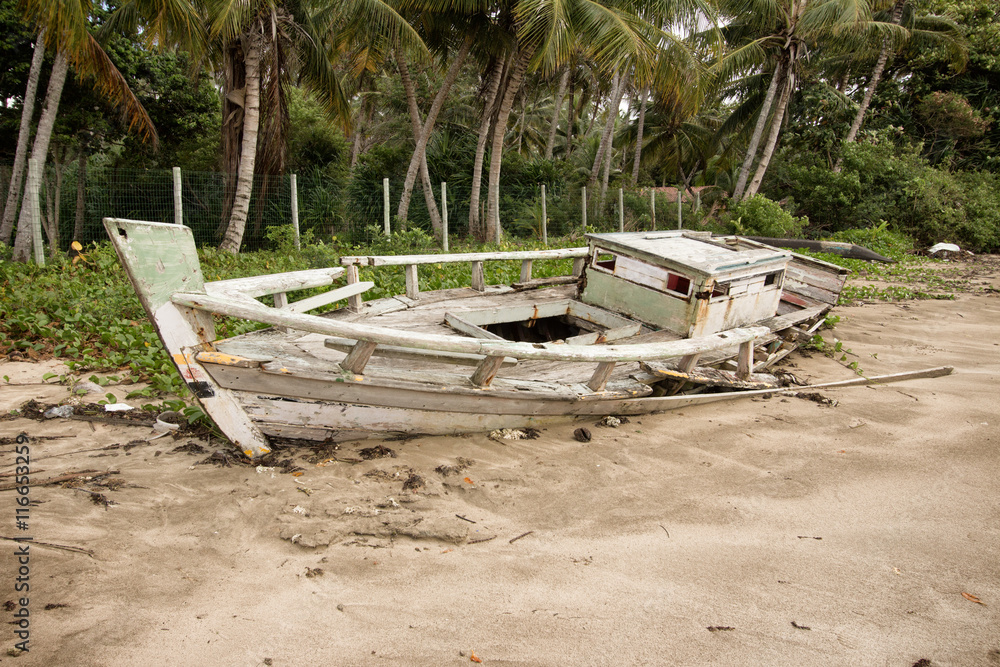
<point>775,531</point>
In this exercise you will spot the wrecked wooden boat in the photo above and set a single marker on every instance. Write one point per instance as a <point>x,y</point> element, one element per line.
<point>645,322</point>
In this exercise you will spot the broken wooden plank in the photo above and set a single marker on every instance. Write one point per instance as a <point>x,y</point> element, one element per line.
<point>606,336</point>
<point>226,359</point>
<point>326,298</point>
<point>712,377</point>
<point>464,326</point>
<point>414,354</point>
<point>544,282</point>
<point>744,360</point>
<point>278,282</point>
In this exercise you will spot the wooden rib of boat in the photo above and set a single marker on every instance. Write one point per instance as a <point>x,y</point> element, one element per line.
<point>646,322</point>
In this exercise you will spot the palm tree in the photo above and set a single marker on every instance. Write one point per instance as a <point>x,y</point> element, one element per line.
<point>265,43</point>
<point>24,131</point>
<point>927,29</point>
<point>66,28</point>
<point>762,32</point>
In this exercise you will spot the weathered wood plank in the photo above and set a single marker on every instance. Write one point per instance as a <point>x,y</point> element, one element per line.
<point>712,377</point>
<point>413,354</point>
<point>339,294</point>
<point>402,260</point>
<point>226,359</point>
<point>459,324</point>
<point>535,283</point>
<point>278,282</point>
<point>606,336</point>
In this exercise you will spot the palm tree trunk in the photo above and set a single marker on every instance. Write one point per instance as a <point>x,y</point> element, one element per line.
<point>53,197</point>
<point>81,194</point>
<point>496,151</point>
<point>883,58</point>
<point>609,124</point>
<point>417,126</point>
<point>22,242</point>
<point>475,227</point>
<point>758,131</point>
<point>556,110</point>
<point>638,136</point>
<point>23,134</point>
<point>248,151</point>
<point>571,121</point>
<point>419,153</point>
<point>775,131</point>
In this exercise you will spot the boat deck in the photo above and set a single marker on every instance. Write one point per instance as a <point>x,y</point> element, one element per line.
<point>427,315</point>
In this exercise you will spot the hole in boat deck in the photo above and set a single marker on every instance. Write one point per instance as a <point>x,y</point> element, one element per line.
<point>540,330</point>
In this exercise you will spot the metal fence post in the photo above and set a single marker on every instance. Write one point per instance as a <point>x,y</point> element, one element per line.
<point>295,210</point>
<point>583,198</point>
<point>178,202</point>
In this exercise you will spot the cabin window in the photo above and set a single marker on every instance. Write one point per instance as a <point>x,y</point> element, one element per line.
<point>720,289</point>
<point>678,284</point>
<point>773,279</point>
<point>605,260</point>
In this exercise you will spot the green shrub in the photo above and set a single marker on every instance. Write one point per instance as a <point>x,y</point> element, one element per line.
<point>759,216</point>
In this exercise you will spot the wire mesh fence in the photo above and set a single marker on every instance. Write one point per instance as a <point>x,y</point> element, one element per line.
<point>350,209</point>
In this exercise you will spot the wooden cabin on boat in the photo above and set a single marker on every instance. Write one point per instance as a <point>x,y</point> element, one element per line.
<point>683,281</point>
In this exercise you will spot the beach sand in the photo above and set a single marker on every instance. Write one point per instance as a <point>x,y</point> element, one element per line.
<point>765,531</point>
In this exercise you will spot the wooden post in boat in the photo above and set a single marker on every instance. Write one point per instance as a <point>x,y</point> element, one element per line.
<point>444,216</point>
<point>161,260</point>
<point>652,206</point>
<point>385,206</point>
<point>295,210</point>
<point>178,203</point>
<point>583,199</point>
<point>358,357</point>
<point>353,302</point>
<point>545,220</point>
<point>745,360</point>
<point>621,210</point>
<point>486,371</point>
<point>601,375</point>
<point>478,278</point>
<point>412,288</point>
<point>525,270</point>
